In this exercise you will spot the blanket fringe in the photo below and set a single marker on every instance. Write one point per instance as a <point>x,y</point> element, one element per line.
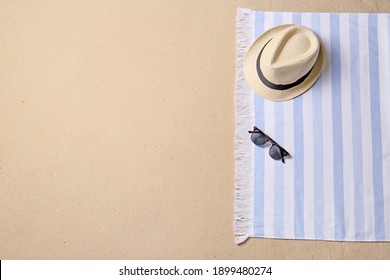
<point>243,225</point>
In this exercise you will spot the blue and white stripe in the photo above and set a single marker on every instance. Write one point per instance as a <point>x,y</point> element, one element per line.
<point>336,186</point>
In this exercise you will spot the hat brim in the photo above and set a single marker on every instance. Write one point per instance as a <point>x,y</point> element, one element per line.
<point>261,89</point>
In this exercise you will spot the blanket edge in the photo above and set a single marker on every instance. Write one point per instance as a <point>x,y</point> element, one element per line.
<point>244,166</point>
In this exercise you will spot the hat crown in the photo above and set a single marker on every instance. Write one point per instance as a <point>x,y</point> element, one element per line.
<point>289,55</point>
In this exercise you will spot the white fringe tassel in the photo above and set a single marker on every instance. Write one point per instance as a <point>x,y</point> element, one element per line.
<point>243,225</point>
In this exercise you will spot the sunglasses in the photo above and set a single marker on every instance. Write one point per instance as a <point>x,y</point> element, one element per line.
<point>259,138</point>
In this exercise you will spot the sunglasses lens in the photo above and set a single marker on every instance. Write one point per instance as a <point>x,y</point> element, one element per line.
<point>275,152</point>
<point>259,138</point>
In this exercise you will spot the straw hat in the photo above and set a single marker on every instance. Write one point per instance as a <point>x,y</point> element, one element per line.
<point>284,62</point>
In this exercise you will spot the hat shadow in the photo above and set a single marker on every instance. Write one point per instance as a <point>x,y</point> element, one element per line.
<point>326,65</point>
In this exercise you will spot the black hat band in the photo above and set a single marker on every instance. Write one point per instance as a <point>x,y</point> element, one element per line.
<point>276,86</point>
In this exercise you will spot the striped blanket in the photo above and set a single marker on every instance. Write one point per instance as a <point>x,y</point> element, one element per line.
<point>336,185</point>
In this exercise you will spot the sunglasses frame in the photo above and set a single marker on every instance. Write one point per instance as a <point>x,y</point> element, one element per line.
<point>272,141</point>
